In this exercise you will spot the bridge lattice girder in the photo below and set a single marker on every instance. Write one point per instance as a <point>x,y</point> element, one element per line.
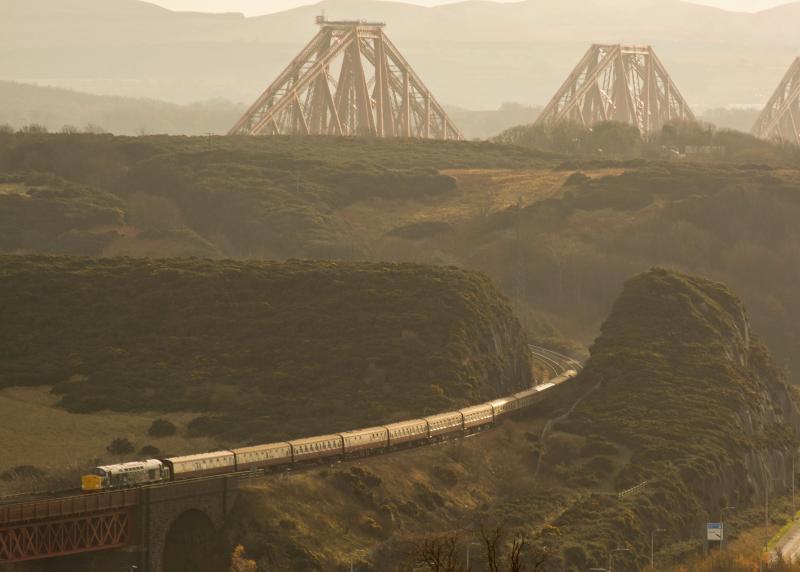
<point>349,80</point>
<point>72,525</point>
<point>780,119</point>
<point>618,83</point>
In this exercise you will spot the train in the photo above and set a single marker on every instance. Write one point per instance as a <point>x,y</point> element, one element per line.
<point>283,455</point>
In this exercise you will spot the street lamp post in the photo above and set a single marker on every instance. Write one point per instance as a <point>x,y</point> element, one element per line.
<point>794,475</point>
<point>766,499</point>
<point>652,546</point>
<point>611,555</point>
<point>766,518</point>
<point>468,546</point>
<point>722,524</point>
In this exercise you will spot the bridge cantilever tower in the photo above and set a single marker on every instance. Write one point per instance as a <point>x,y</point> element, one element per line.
<point>618,83</point>
<point>781,117</point>
<point>349,80</point>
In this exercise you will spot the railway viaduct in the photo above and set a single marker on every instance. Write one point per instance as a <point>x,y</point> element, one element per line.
<point>166,526</point>
<point>155,528</point>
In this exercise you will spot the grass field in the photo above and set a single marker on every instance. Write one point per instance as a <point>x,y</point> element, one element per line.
<point>36,432</point>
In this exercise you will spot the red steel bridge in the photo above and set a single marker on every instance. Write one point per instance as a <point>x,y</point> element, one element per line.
<point>142,520</point>
<point>70,525</point>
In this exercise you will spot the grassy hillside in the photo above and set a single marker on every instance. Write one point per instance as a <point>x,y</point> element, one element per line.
<point>677,392</point>
<point>265,350</point>
<point>269,198</point>
<point>558,234</point>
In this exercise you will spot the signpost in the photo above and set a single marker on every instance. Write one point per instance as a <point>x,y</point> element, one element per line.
<point>714,532</point>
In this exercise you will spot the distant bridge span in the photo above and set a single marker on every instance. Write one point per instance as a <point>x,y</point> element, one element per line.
<point>139,519</point>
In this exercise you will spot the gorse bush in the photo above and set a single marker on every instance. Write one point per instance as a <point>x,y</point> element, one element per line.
<point>22,472</point>
<point>615,140</point>
<point>162,428</point>
<point>149,451</point>
<point>120,446</point>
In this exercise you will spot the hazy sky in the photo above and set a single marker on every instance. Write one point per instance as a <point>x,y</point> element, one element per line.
<point>255,7</point>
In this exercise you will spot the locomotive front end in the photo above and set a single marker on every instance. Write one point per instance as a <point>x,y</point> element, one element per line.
<point>96,481</point>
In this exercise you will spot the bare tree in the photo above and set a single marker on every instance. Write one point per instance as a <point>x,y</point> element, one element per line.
<point>438,554</point>
<point>515,556</point>
<point>491,538</point>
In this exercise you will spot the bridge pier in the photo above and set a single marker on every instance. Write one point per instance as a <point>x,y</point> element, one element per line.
<point>179,521</point>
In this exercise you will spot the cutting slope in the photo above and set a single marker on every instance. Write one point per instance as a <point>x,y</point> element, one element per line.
<point>678,393</point>
<point>687,389</point>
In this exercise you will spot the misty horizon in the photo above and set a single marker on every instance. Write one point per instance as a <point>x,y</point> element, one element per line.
<point>131,49</point>
<point>261,7</point>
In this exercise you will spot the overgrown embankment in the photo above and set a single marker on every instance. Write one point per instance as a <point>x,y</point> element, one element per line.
<point>266,351</point>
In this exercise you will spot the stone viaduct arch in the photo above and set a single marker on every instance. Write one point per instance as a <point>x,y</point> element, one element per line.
<point>177,524</point>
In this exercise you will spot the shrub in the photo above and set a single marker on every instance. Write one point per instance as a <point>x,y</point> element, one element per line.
<point>150,451</point>
<point>445,475</point>
<point>21,472</point>
<point>162,428</point>
<point>120,446</point>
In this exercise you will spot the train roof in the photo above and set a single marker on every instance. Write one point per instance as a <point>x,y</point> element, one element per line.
<point>254,448</point>
<point>502,400</point>
<point>404,423</point>
<point>315,439</point>
<point>367,430</point>
<point>478,407</point>
<point>132,465</point>
<point>444,415</point>
<point>201,456</point>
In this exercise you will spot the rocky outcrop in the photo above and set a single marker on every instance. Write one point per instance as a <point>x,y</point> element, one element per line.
<point>691,393</point>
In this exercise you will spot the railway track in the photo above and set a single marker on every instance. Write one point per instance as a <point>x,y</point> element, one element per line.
<point>555,362</point>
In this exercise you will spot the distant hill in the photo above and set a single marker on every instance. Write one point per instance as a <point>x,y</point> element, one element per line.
<point>265,350</point>
<point>490,52</point>
<point>57,108</point>
<point>54,108</point>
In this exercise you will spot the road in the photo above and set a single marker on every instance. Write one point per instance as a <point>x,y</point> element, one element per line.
<point>788,546</point>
